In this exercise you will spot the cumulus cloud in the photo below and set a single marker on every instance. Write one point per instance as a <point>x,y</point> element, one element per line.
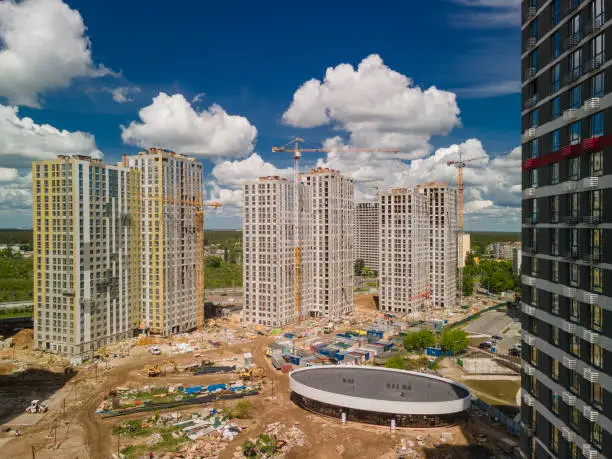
<point>376,105</point>
<point>23,141</point>
<point>235,173</point>
<point>171,122</point>
<point>492,184</point>
<point>121,94</point>
<point>230,176</point>
<point>43,47</point>
<point>15,191</point>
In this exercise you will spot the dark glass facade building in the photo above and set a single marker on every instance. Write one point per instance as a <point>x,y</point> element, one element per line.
<point>566,120</point>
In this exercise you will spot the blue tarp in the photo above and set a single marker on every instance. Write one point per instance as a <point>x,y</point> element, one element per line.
<point>377,333</point>
<point>214,387</point>
<point>193,390</point>
<point>233,389</point>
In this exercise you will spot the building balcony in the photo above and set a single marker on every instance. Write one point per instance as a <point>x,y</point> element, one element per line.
<point>594,218</point>
<point>529,134</point>
<point>570,114</point>
<point>568,327</point>
<point>590,336</point>
<point>531,43</point>
<point>592,257</point>
<point>530,102</point>
<point>589,451</point>
<point>594,25</point>
<point>571,254</point>
<point>590,375</point>
<point>590,182</point>
<point>594,63</point>
<point>530,73</point>
<point>568,398</point>
<point>571,41</point>
<point>570,219</point>
<point>531,13</point>
<point>529,310</point>
<point>568,433</point>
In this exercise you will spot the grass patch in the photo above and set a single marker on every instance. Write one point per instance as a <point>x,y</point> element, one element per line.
<point>17,312</point>
<point>226,275</point>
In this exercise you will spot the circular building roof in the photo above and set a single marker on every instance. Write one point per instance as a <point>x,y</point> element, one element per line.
<point>382,390</point>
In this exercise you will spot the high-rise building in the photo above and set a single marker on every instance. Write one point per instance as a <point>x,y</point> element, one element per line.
<point>442,201</point>
<point>404,250</point>
<point>332,258</point>
<point>171,243</point>
<point>567,189</point>
<point>273,294</point>
<point>465,247</point>
<point>366,234</point>
<point>517,259</point>
<point>268,244</point>
<point>86,247</point>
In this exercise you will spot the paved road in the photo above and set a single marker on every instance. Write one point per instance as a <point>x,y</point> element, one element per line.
<point>494,323</point>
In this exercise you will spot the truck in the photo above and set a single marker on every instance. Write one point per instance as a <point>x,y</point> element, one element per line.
<point>329,328</point>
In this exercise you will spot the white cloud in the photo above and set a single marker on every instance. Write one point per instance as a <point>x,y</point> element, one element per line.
<point>492,184</point>
<point>487,14</point>
<point>493,89</point>
<point>229,198</point>
<point>235,173</point>
<point>377,106</point>
<point>121,94</point>
<point>16,191</point>
<point>23,141</point>
<point>171,122</point>
<point>42,47</point>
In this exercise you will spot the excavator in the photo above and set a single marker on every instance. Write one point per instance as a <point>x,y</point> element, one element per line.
<point>248,374</point>
<point>153,371</point>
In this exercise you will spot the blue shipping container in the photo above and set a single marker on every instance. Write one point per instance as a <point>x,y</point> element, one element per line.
<point>193,390</point>
<point>433,351</point>
<point>214,387</point>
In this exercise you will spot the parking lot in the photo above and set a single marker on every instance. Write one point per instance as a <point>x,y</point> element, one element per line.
<point>497,323</point>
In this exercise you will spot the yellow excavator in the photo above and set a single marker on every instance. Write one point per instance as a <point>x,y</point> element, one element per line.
<point>248,374</point>
<point>153,371</point>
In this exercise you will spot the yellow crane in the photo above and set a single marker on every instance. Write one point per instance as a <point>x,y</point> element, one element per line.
<point>200,258</point>
<point>460,164</point>
<point>294,147</point>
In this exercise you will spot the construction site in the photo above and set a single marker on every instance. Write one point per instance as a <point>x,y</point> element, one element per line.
<point>222,392</point>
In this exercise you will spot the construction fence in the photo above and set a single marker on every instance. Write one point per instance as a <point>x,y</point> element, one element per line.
<point>513,426</point>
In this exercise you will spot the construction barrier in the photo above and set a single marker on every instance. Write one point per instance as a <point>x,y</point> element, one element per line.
<point>513,426</point>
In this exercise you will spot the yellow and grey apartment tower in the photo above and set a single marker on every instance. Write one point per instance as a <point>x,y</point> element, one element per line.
<point>171,256</point>
<point>86,233</point>
<point>404,250</point>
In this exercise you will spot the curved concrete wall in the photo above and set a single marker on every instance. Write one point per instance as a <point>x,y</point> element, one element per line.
<point>380,406</point>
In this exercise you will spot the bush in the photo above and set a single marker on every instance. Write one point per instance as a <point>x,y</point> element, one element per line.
<point>213,262</point>
<point>242,410</point>
<point>397,362</point>
<point>419,340</point>
<point>454,340</point>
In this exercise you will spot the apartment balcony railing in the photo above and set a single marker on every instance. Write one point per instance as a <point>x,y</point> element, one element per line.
<point>595,24</point>
<point>593,218</point>
<point>530,73</point>
<point>531,101</point>
<point>592,104</point>
<point>531,42</point>
<point>572,5</point>
<point>571,254</point>
<point>592,257</point>
<point>594,63</point>
<point>571,41</point>
<point>571,219</point>
<point>531,13</point>
<point>570,114</point>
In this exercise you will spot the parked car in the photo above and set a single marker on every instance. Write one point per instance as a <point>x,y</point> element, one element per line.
<point>155,350</point>
<point>497,337</point>
<point>514,352</point>
<point>485,345</point>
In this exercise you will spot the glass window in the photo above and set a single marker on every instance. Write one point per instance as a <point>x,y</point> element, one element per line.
<point>596,163</point>
<point>598,85</point>
<point>574,308</point>
<point>555,141</point>
<point>596,202</point>
<point>575,133</point>
<point>574,382</point>
<point>533,59</point>
<point>555,403</point>
<point>555,301</point>
<point>574,26</point>
<point>556,13</point>
<point>596,356</point>
<point>574,448</point>
<point>554,440</point>
<point>597,50</point>
<point>555,272</point>
<point>554,173</point>
<point>596,318</point>
<point>555,336</point>
<point>533,29</point>
<point>556,44</point>
<point>556,108</point>
<point>534,117</point>
<point>555,77</point>
<point>596,435</point>
<point>596,280</point>
<point>534,177</point>
<point>534,148</point>
<point>534,296</point>
<point>575,66</point>
<point>597,11</point>
<point>575,345</point>
<point>555,209</point>
<point>596,395</point>
<point>555,370</point>
<point>534,355</point>
<point>575,97</point>
<point>597,124</point>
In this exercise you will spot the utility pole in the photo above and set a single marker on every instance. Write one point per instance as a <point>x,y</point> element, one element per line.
<point>33,452</point>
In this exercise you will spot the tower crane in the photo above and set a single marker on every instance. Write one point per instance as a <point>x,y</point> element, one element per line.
<point>200,258</point>
<point>294,147</point>
<point>460,164</point>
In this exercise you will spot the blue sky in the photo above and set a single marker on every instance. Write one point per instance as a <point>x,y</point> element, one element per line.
<point>87,68</point>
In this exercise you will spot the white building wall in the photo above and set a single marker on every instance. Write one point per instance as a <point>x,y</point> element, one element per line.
<point>404,250</point>
<point>442,201</point>
<point>268,252</point>
<point>366,233</point>
<point>466,247</point>
<point>333,205</point>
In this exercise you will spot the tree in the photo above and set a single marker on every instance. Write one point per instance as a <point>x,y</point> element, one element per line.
<point>359,265</point>
<point>417,341</point>
<point>397,362</point>
<point>242,409</point>
<point>213,262</point>
<point>454,340</point>
<point>468,285</point>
